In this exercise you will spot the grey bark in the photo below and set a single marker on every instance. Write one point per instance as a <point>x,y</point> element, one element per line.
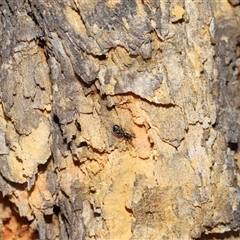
<point>166,72</point>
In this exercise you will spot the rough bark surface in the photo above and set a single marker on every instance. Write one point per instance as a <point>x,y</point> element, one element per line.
<point>167,72</point>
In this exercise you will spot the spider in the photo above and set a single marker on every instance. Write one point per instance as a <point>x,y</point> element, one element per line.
<point>119,131</point>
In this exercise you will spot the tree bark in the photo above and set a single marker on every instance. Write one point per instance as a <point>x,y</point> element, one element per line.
<point>165,73</point>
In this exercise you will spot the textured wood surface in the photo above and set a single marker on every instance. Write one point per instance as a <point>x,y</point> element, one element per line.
<point>166,72</point>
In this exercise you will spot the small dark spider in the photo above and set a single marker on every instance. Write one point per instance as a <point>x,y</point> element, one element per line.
<point>119,131</point>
